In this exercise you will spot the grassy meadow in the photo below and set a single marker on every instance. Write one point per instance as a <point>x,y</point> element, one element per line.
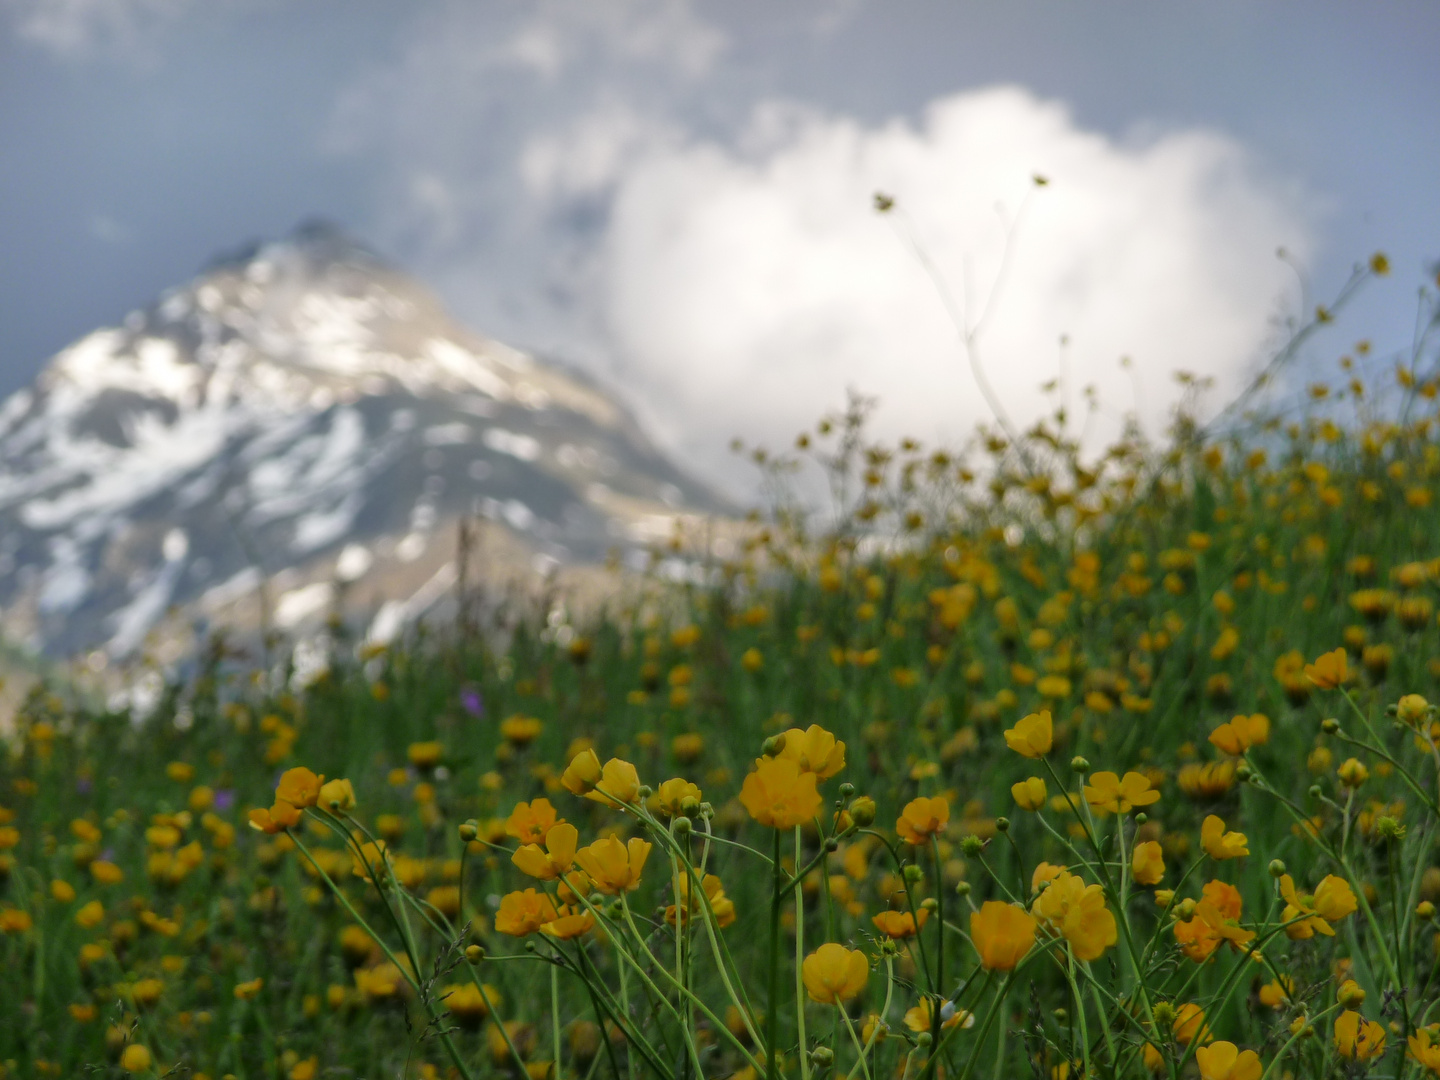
<point>1106,769</point>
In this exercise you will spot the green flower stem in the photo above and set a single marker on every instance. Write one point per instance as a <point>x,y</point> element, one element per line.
<point>799,964</point>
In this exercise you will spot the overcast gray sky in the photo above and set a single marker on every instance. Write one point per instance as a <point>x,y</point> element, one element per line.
<point>674,195</point>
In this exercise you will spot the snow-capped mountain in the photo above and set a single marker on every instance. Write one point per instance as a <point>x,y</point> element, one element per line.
<point>304,416</point>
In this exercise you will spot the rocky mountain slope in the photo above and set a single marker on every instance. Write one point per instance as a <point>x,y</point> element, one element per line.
<point>301,426</point>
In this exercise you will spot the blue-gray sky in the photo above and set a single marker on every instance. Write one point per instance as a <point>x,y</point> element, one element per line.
<point>661,191</point>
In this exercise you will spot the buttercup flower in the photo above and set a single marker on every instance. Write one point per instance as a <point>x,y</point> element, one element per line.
<point>900,924</point>
<point>1358,1039</point>
<point>1425,1048</point>
<point>1241,733</point>
<point>523,913</point>
<point>614,867</point>
<point>1148,863</point>
<point>1002,933</point>
<point>669,797</point>
<point>720,904</point>
<point>1029,794</point>
<point>1109,794</point>
<point>1033,736</point>
<point>569,923</point>
<point>779,794</point>
<point>922,818</point>
<point>1190,1024</point>
<point>814,750</point>
<point>834,974</point>
<point>1207,781</point>
<point>618,783</point>
<point>1076,910</point>
<point>1275,994</point>
<point>531,822</point>
<point>299,787</point>
<point>283,815</point>
<point>921,1016</point>
<point>1224,1061</point>
<point>1328,671</point>
<point>555,860</point>
<point>336,795</point>
<point>1216,919</point>
<point>1218,843</point>
<point>1333,900</point>
<point>582,774</point>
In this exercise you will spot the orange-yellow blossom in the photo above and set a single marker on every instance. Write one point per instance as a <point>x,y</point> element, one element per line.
<point>922,818</point>
<point>779,794</point>
<point>1218,843</point>
<point>1109,794</point>
<point>834,974</point>
<point>555,860</point>
<point>814,750</point>
<point>1033,736</point>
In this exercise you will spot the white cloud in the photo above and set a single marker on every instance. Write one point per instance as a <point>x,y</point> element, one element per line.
<point>746,288</point>
<point>80,27</point>
<point>592,181</point>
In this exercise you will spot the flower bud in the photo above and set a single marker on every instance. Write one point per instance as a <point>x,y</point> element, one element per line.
<point>469,830</point>
<point>681,826</point>
<point>1352,772</point>
<point>1079,764</point>
<point>847,790</point>
<point>962,889</point>
<point>1350,995</point>
<point>1316,791</point>
<point>862,811</point>
<point>929,903</point>
<point>474,953</point>
<point>822,1057</point>
<point>774,745</point>
<point>1062,1015</point>
<point>831,845</point>
<point>1243,771</point>
<point>923,1039</point>
<point>913,874</point>
<point>1141,817</point>
<point>1330,726</point>
<point>1185,909</point>
<point>1002,824</point>
<point>971,846</point>
<point>1425,911</point>
<point>1277,869</point>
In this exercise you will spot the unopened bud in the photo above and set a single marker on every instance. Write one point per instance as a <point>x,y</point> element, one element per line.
<point>645,791</point>
<point>962,889</point>
<point>469,830</point>
<point>923,1039</point>
<point>474,953</point>
<point>1062,1015</point>
<point>1141,817</point>
<point>929,903</point>
<point>831,845</point>
<point>1002,824</point>
<point>681,826</point>
<point>774,745</point>
<point>1316,791</point>
<point>862,811</point>
<point>1425,911</point>
<point>1079,764</point>
<point>1185,909</point>
<point>822,1057</point>
<point>1330,726</point>
<point>913,874</point>
<point>1277,868</point>
<point>1243,771</point>
<point>1350,995</point>
<point>847,790</point>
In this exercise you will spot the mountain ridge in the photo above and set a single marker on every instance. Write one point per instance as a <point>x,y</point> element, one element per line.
<point>301,413</point>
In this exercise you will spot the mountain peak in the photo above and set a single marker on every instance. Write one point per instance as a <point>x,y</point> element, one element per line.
<point>297,401</point>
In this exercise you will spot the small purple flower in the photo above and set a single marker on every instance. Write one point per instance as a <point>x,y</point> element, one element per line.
<point>224,799</point>
<point>472,702</point>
